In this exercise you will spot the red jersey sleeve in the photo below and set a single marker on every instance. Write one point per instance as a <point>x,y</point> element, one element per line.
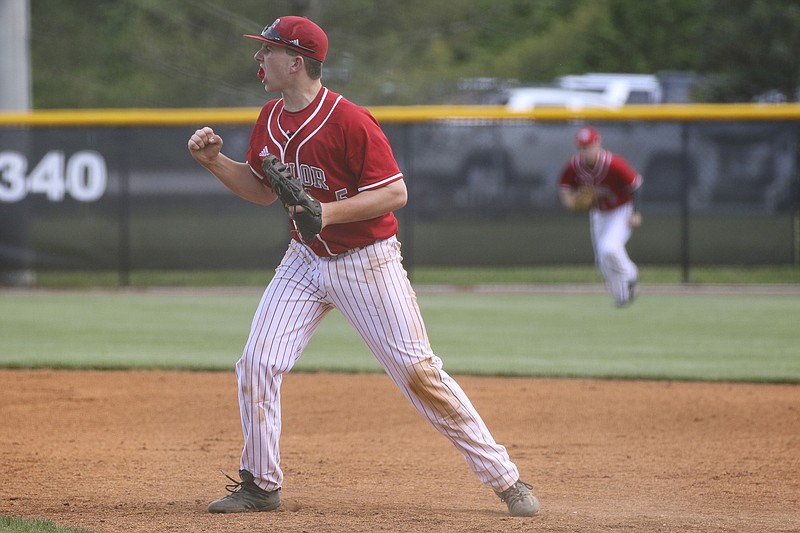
<point>368,151</point>
<point>626,178</point>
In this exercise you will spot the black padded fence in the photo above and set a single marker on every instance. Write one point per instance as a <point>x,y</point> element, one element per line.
<point>483,192</point>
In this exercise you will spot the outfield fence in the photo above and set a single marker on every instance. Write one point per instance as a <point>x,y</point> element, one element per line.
<point>117,189</point>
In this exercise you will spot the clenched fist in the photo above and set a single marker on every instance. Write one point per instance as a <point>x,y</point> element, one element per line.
<point>205,145</point>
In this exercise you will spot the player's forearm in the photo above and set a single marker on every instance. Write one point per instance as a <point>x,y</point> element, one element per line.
<point>239,179</point>
<point>366,204</point>
<point>567,197</point>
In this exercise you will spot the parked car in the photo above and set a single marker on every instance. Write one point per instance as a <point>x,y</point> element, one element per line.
<point>609,90</point>
<point>617,87</point>
<point>527,98</point>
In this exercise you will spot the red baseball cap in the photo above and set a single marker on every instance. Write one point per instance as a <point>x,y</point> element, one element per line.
<point>298,34</point>
<point>586,135</point>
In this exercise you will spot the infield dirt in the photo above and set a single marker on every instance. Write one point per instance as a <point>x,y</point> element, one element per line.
<point>142,451</point>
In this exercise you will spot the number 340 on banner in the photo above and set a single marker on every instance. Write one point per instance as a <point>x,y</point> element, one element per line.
<point>83,176</point>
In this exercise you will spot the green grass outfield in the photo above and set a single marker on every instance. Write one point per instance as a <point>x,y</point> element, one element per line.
<point>670,332</point>
<point>426,275</point>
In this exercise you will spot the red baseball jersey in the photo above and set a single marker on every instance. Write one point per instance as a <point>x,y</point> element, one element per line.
<point>337,150</point>
<point>612,178</point>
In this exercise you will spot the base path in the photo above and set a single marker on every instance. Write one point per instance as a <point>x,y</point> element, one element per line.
<point>142,451</point>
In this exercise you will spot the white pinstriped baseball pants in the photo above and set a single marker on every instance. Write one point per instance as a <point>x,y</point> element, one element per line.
<point>610,233</point>
<point>370,287</point>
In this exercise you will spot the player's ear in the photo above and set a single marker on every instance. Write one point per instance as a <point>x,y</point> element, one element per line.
<point>297,62</point>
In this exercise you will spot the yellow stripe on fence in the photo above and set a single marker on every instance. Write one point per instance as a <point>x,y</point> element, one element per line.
<point>217,116</point>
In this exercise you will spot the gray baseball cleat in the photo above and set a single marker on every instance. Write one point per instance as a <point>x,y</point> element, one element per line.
<point>245,497</point>
<point>631,295</point>
<point>520,500</point>
<point>631,291</point>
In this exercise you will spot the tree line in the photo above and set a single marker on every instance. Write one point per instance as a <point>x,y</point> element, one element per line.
<point>191,53</point>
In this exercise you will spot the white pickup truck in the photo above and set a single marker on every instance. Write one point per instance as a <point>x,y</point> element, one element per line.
<point>587,90</point>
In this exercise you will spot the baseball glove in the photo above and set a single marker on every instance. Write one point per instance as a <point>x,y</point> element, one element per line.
<point>292,195</point>
<point>584,199</point>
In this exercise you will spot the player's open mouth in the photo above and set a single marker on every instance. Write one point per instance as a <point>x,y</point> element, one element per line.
<point>261,73</point>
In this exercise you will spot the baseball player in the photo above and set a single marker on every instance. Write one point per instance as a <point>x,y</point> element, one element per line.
<point>350,262</point>
<point>612,191</point>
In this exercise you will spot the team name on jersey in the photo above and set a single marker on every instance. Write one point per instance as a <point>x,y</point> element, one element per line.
<point>309,176</point>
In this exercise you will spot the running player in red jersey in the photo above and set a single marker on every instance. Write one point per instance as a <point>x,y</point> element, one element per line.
<point>354,265</point>
<point>615,212</point>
